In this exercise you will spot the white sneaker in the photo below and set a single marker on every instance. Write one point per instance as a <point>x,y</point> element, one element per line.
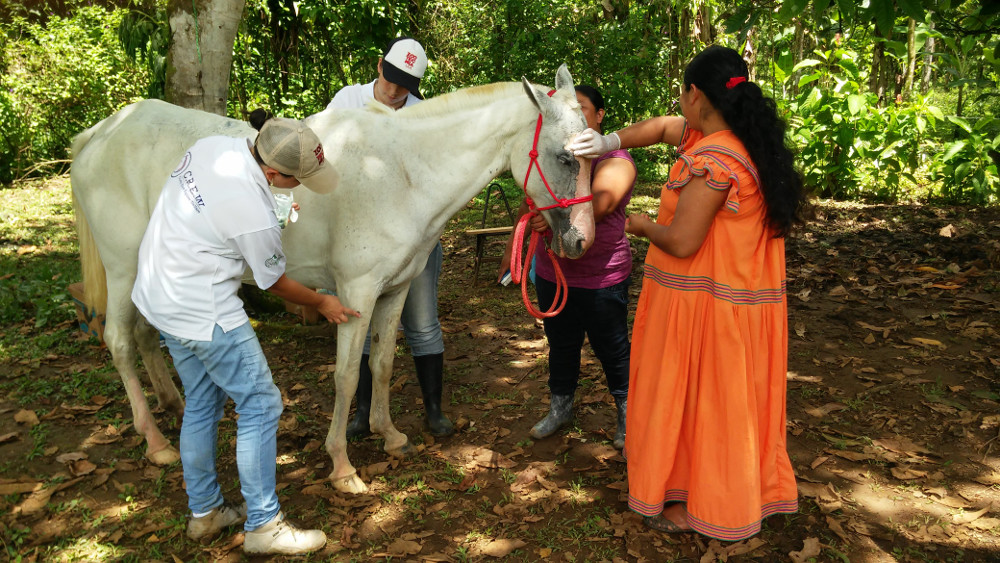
<point>220,517</point>
<point>280,536</point>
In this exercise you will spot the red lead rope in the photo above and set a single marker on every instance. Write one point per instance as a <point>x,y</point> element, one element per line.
<point>517,273</point>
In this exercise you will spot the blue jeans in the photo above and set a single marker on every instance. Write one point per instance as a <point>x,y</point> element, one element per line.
<point>599,314</point>
<point>230,365</point>
<point>420,311</point>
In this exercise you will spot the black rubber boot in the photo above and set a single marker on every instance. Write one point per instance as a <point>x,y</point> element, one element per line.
<point>560,412</point>
<point>430,374</point>
<point>622,406</point>
<point>358,427</point>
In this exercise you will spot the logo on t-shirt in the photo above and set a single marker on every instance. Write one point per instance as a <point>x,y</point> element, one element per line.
<point>272,261</point>
<point>182,166</point>
<point>190,188</point>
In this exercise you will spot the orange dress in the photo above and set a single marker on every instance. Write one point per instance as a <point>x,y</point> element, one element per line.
<point>706,401</point>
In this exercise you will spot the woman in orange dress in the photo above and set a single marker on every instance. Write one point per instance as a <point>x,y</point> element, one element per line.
<point>706,421</point>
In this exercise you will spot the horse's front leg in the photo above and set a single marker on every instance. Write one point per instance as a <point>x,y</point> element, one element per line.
<point>350,343</point>
<point>385,319</point>
<point>121,316</point>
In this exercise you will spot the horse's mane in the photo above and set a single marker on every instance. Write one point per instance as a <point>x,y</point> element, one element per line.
<point>467,98</point>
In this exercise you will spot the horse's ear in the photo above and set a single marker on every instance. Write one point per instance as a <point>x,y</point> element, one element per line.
<point>564,81</point>
<point>539,98</point>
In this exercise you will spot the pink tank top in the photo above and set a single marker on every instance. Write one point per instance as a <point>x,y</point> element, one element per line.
<point>609,260</point>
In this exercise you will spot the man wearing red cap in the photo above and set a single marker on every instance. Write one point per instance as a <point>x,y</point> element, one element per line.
<point>400,69</point>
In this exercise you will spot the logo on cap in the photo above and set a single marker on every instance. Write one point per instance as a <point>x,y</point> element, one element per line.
<point>410,59</point>
<point>318,151</point>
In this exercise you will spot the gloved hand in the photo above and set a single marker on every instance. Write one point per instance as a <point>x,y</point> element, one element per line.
<point>591,144</point>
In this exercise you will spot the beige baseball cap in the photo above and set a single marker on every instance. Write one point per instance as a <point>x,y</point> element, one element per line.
<point>292,148</point>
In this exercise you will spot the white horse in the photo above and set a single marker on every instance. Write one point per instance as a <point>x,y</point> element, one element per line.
<point>402,175</point>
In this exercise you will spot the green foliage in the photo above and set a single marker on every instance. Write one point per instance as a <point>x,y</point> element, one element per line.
<point>850,147</point>
<point>967,166</point>
<point>833,66</point>
<point>59,77</point>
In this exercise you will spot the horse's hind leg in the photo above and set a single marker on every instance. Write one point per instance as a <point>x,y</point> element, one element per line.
<point>118,335</point>
<point>167,395</point>
<point>385,319</point>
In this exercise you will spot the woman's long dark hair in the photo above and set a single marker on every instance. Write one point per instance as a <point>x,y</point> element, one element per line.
<point>595,97</point>
<point>754,119</point>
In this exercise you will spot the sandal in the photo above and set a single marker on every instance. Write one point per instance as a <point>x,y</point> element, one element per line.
<point>661,524</point>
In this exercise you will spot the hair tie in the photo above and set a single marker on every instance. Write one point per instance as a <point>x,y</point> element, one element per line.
<point>734,81</point>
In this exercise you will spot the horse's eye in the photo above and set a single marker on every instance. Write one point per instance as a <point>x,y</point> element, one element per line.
<point>566,158</point>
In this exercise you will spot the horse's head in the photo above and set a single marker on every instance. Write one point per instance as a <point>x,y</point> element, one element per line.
<point>568,177</point>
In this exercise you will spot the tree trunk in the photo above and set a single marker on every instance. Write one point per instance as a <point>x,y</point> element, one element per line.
<point>875,76</point>
<point>707,31</point>
<point>800,47</point>
<point>911,58</point>
<point>750,56</point>
<point>925,81</point>
<point>200,55</point>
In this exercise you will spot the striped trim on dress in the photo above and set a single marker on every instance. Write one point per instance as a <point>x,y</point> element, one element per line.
<point>730,178</point>
<point>718,290</point>
<point>712,530</point>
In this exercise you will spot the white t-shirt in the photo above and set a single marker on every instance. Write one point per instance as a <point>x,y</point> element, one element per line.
<point>357,95</point>
<point>215,217</point>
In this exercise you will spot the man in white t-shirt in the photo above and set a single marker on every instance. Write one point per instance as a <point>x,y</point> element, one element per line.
<point>215,217</point>
<point>399,72</point>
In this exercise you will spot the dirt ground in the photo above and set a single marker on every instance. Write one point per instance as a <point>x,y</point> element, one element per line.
<point>893,420</point>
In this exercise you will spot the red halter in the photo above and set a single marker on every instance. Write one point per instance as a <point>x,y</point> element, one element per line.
<point>517,266</point>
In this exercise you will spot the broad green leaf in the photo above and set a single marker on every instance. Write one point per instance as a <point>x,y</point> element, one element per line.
<point>912,8</point>
<point>855,102</point>
<point>884,12</point>
<point>806,63</point>
<point>962,170</point>
<point>819,7</point>
<point>961,123</point>
<point>952,149</point>
<point>936,112</point>
<point>809,78</point>
<point>848,11</point>
<point>791,9</point>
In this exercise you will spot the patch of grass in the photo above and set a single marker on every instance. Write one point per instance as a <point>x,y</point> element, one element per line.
<point>76,388</point>
<point>39,434</point>
<point>38,255</point>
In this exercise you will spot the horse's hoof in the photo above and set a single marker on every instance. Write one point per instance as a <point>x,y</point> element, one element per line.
<point>351,484</point>
<point>402,451</point>
<point>166,456</point>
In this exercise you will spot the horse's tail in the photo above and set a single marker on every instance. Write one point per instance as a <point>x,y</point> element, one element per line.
<point>95,283</point>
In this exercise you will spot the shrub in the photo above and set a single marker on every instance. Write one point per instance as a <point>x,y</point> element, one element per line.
<point>58,78</point>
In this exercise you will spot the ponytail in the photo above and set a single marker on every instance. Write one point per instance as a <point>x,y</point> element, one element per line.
<point>721,74</point>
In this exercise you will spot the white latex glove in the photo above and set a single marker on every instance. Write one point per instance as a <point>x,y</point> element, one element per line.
<point>591,144</point>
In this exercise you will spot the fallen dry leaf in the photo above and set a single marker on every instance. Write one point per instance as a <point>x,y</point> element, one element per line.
<point>19,487</point>
<point>25,416</point>
<point>968,517</point>
<point>501,548</point>
<point>927,343</point>
<point>402,547</point>
<point>820,412</point>
<point>70,457</point>
<point>836,528</point>
<point>810,549</point>
<point>81,467</point>
<point>906,473</point>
